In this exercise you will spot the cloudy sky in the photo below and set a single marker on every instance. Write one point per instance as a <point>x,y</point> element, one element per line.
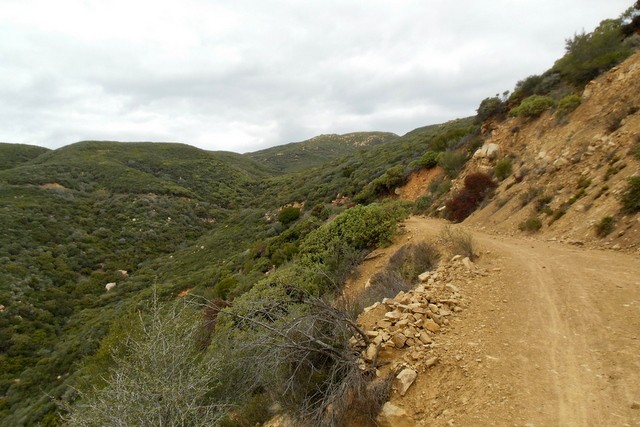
<point>241,75</point>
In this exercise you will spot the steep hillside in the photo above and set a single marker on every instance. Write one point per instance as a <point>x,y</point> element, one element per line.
<point>570,171</point>
<point>12,155</point>
<point>318,150</point>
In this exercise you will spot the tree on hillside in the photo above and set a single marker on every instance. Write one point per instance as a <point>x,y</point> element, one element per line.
<point>590,54</point>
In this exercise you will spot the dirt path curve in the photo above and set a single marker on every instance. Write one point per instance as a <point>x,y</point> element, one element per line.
<point>551,337</point>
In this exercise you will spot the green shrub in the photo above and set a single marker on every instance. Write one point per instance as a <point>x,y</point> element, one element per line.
<point>631,195</point>
<point>635,149</point>
<point>422,205</point>
<point>531,225</point>
<point>503,168</point>
<point>428,160</point>
<point>288,214</point>
<point>532,106</point>
<point>605,226</point>
<point>452,162</point>
<point>567,104</point>
<point>490,107</point>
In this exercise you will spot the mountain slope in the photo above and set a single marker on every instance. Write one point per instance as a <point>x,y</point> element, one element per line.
<point>12,155</point>
<point>318,150</point>
<point>571,171</point>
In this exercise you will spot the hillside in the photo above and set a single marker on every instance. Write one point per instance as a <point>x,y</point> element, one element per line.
<point>571,171</point>
<point>12,155</point>
<point>318,150</point>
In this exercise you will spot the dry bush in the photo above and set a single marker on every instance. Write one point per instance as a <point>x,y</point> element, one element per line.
<point>400,274</point>
<point>296,348</point>
<point>458,241</point>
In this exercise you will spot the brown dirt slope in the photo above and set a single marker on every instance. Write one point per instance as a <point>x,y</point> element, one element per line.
<point>550,336</point>
<point>581,162</point>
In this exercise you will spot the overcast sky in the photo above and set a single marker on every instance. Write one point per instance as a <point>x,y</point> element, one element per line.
<point>241,75</point>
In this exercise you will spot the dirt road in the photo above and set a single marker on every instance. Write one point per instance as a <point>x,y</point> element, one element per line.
<point>550,337</point>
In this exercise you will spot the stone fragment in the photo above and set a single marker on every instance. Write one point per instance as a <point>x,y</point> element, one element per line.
<point>393,315</point>
<point>405,378</point>
<point>453,288</point>
<point>394,416</point>
<point>430,325</point>
<point>384,323</point>
<point>467,263</point>
<point>399,340</point>
<point>434,308</point>
<point>424,276</point>
<point>370,353</point>
<point>425,338</point>
<point>430,362</point>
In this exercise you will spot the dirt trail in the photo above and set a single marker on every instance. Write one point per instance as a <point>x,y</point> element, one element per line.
<point>550,337</point>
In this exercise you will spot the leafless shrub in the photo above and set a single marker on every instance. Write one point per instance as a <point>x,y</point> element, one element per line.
<point>296,347</point>
<point>401,272</point>
<point>160,378</point>
<point>458,241</point>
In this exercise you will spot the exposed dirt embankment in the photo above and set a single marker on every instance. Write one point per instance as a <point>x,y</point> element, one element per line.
<point>569,171</point>
<point>549,335</point>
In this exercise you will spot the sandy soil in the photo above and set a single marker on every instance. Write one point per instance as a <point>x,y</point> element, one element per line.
<point>550,337</point>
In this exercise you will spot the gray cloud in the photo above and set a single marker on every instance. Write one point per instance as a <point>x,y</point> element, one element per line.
<point>249,74</point>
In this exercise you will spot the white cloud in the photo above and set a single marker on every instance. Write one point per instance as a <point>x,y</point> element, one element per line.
<point>247,74</point>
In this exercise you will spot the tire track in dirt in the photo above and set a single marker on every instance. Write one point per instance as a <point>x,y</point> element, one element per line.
<point>551,337</point>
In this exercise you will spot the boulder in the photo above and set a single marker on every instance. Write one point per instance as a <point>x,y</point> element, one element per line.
<point>487,151</point>
<point>109,286</point>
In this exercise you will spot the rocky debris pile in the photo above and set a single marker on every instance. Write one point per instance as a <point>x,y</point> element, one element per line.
<point>401,330</point>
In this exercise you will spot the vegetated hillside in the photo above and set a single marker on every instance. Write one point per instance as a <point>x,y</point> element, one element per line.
<point>11,155</point>
<point>318,150</point>
<point>571,170</point>
<point>88,214</point>
<point>140,214</point>
<point>375,172</point>
<point>171,169</point>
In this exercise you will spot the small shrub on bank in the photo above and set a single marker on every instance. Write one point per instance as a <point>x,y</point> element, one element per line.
<point>288,215</point>
<point>531,225</point>
<point>422,205</point>
<point>452,162</point>
<point>401,273</point>
<point>428,160</point>
<point>635,149</point>
<point>503,169</point>
<point>631,195</point>
<point>605,226</point>
<point>458,241</point>
<point>532,106</point>
<point>567,104</point>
